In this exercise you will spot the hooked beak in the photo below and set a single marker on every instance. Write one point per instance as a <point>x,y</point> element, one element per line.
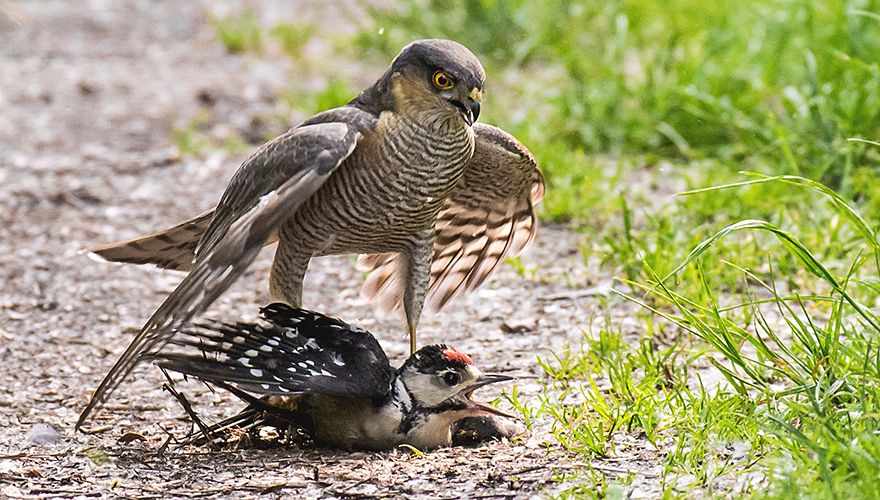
<point>485,379</point>
<point>474,109</point>
<point>470,110</point>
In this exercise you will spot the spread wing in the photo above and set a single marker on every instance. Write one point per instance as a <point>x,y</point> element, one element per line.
<point>296,351</point>
<point>175,248</point>
<point>267,188</point>
<point>489,215</point>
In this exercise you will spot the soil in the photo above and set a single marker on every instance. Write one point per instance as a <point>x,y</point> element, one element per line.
<point>90,92</point>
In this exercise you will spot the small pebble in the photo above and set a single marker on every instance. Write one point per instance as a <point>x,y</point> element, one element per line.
<point>43,434</point>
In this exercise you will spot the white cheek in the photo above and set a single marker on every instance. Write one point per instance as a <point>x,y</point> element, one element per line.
<point>427,390</point>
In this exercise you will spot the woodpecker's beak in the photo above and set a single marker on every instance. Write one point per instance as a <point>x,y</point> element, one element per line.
<point>485,379</point>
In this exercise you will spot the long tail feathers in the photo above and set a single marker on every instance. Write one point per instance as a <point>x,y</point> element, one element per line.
<point>169,249</point>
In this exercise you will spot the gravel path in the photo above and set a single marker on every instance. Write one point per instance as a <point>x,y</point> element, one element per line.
<point>89,94</point>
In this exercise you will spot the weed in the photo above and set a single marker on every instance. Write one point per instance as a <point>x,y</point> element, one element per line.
<point>292,37</point>
<point>239,33</point>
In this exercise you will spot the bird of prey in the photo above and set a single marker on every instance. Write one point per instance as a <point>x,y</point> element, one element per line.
<point>402,175</point>
<point>332,380</point>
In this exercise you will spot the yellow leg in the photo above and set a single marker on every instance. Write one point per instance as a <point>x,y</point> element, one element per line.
<point>412,339</point>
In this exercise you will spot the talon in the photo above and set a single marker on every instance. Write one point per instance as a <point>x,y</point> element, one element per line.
<point>413,346</point>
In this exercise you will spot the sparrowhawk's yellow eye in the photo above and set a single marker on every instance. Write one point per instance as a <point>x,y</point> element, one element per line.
<point>443,81</point>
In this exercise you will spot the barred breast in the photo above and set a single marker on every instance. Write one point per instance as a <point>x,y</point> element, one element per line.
<point>390,190</point>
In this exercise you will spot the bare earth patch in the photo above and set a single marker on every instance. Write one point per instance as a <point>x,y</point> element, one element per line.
<point>89,93</point>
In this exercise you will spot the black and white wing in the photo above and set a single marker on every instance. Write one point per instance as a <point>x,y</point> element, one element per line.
<point>294,351</point>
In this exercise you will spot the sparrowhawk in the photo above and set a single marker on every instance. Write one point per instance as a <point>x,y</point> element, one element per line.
<point>402,174</point>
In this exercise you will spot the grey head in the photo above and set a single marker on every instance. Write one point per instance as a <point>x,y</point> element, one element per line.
<point>432,67</point>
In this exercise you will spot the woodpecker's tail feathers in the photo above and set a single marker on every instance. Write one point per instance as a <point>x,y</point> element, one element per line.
<point>259,413</point>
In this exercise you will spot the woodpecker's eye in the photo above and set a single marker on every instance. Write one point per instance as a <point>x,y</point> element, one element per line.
<point>451,378</point>
<point>443,81</point>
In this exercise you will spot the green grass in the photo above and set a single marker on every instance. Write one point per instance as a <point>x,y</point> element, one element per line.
<point>758,369</point>
<point>244,33</point>
<point>812,367</point>
<point>798,389</point>
<point>790,80</point>
<point>194,137</point>
<point>336,93</point>
<point>772,280</point>
<point>292,37</point>
<point>239,33</point>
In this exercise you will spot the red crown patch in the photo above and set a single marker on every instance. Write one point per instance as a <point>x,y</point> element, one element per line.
<point>450,354</point>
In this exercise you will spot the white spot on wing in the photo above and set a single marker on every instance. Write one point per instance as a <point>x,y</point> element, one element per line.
<point>336,359</point>
<point>245,361</point>
<point>256,372</point>
<point>251,352</point>
<point>266,348</point>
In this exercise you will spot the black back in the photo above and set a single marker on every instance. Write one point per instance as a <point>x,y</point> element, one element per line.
<point>294,351</point>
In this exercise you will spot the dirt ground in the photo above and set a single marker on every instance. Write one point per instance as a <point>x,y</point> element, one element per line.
<point>89,94</point>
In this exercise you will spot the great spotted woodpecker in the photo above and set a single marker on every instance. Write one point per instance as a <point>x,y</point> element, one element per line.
<point>333,380</point>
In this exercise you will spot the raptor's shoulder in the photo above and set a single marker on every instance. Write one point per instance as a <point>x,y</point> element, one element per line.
<point>493,138</point>
<point>361,120</point>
